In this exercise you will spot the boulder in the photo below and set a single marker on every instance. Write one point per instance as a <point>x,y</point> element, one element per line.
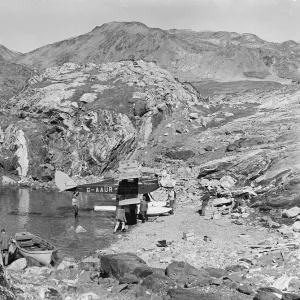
<point>89,263</point>
<point>199,281</point>
<point>222,201</point>
<point>80,229</point>
<point>194,116</point>
<point>245,289</point>
<point>140,108</point>
<point>227,182</point>
<point>185,294</point>
<point>235,268</point>
<point>291,213</point>
<point>66,264</point>
<point>84,277</point>
<point>128,278</point>
<point>142,271</point>
<point>119,288</point>
<point>186,275</point>
<point>261,295</point>
<point>216,272</point>
<point>49,293</point>
<point>89,296</point>
<point>296,226</point>
<point>17,265</point>
<point>158,283</point>
<point>177,269</point>
<point>116,265</point>
<point>290,296</point>
<point>294,285</point>
<point>270,289</point>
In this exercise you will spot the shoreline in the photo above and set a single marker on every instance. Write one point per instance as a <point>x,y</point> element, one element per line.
<point>217,245</point>
<point>225,236</point>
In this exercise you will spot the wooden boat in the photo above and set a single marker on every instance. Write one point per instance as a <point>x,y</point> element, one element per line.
<point>104,208</point>
<point>30,245</point>
<point>156,210</point>
<point>157,204</point>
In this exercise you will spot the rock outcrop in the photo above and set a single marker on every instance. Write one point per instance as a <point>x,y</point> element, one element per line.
<point>84,119</point>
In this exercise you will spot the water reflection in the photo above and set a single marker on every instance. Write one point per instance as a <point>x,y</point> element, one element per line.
<point>50,216</point>
<point>23,208</point>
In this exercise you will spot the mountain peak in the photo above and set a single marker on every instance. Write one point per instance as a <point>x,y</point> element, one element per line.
<point>120,25</point>
<point>8,54</point>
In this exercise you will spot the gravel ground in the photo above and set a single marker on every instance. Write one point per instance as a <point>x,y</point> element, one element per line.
<point>228,240</point>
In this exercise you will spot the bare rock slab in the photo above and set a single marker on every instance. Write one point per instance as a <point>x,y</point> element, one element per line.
<point>116,265</point>
<point>185,294</point>
<point>158,283</point>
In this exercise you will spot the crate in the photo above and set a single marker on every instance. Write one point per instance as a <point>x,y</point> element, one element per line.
<point>189,236</point>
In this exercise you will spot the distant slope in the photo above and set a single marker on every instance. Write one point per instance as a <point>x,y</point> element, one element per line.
<point>8,54</point>
<point>13,76</point>
<point>188,55</point>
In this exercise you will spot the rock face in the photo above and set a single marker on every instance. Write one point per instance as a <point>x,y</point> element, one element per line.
<point>184,294</point>
<point>188,55</point>
<point>82,119</point>
<point>118,265</point>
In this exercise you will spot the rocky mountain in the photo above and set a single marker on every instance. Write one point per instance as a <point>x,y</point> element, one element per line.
<point>84,119</point>
<point>186,54</point>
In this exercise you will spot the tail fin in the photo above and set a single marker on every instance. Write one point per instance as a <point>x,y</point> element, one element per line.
<point>63,181</point>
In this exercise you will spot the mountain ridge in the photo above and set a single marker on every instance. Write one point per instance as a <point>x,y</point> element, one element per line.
<point>189,55</point>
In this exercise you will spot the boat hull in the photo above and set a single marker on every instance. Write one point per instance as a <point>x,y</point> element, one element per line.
<point>156,211</point>
<point>43,256</point>
<point>104,208</point>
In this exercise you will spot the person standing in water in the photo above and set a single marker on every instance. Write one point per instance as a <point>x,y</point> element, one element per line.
<point>74,204</point>
<point>120,218</point>
<point>4,244</point>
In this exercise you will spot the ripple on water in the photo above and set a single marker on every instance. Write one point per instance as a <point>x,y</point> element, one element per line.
<point>50,216</point>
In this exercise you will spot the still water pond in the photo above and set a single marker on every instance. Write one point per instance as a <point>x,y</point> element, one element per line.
<point>50,216</point>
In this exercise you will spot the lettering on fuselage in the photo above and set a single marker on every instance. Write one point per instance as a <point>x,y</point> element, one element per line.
<point>100,189</point>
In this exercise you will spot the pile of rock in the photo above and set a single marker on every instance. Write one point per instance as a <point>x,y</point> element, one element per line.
<point>180,280</point>
<point>217,207</point>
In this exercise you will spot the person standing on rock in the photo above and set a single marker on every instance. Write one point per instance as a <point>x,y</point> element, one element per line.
<point>144,207</point>
<point>74,205</point>
<point>4,243</point>
<point>120,218</point>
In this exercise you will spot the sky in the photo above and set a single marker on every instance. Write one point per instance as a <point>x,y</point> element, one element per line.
<point>28,24</point>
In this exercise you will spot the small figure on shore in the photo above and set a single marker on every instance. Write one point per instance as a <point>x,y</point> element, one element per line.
<point>172,199</point>
<point>74,204</point>
<point>4,243</point>
<point>120,217</point>
<point>144,207</point>
<point>205,199</point>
